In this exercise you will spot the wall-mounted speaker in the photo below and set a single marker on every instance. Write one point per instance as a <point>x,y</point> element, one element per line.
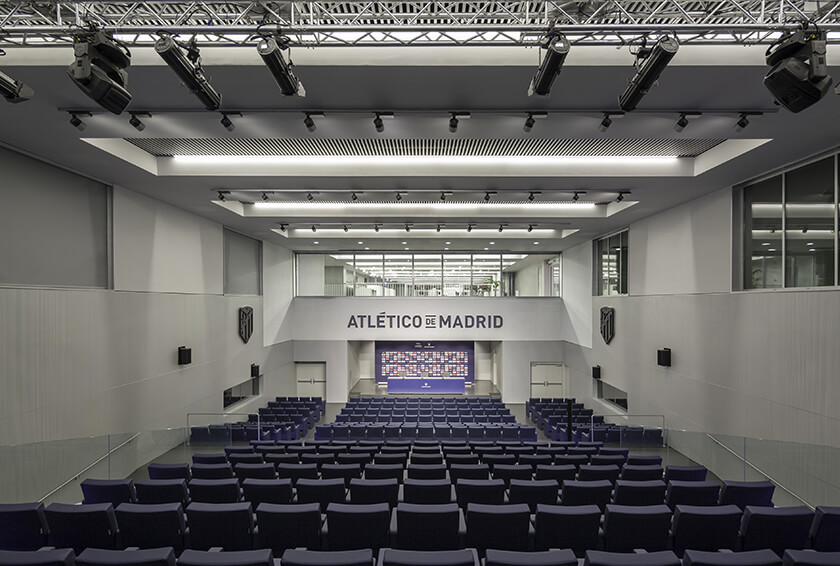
<point>663,357</point>
<point>596,372</point>
<point>255,370</point>
<point>184,356</point>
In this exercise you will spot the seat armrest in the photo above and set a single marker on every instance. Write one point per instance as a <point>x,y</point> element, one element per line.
<point>216,549</point>
<point>639,551</point>
<point>393,528</point>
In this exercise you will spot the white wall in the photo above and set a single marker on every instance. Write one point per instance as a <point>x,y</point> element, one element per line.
<point>310,275</point>
<point>516,365</point>
<point>334,354</point>
<point>577,295</point>
<point>278,288</point>
<point>483,361</point>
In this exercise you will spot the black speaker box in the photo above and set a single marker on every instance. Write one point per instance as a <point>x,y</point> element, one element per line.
<point>255,370</point>
<point>663,357</point>
<point>596,372</point>
<point>184,355</point>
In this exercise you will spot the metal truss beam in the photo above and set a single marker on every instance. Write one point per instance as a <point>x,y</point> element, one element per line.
<point>417,22</point>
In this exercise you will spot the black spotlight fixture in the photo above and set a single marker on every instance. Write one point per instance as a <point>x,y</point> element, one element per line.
<point>684,119</point>
<point>309,122</point>
<point>620,196</point>
<point>222,195</point>
<point>454,118</point>
<point>501,228</point>
<point>227,122</point>
<point>607,120</point>
<point>532,195</point>
<point>469,227</point>
<point>354,197</point>
<point>99,70</point>
<point>346,229</point>
<point>407,228</point>
<point>530,228</point>
<point>376,228</point>
<point>282,227</point>
<point>136,122</point>
<point>309,197</point>
<point>399,195</point>
<point>378,123</point>
<point>271,50</point>
<point>265,197</point>
<point>556,48</point>
<point>488,194</point>
<point>798,75</point>
<point>437,229</point>
<point>313,228</point>
<point>77,122</point>
<point>532,119</point>
<point>14,91</point>
<point>744,120</point>
<point>185,60</point>
<point>576,196</point>
<point>650,62</point>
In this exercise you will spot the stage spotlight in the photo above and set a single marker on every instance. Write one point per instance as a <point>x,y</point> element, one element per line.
<point>501,228</point>
<point>270,49</point>
<point>556,47</point>
<point>530,228</point>
<point>376,228</point>
<point>743,122</point>
<point>282,227</point>
<point>14,91</point>
<point>346,229</point>
<point>531,197</point>
<point>407,228</point>
<point>227,123</point>
<point>469,227</point>
<point>354,197</point>
<point>605,123</point>
<point>529,123</point>
<point>650,63</point>
<point>453,124</point>
<point>684,119</point>
<point>378,124</point>
<point>185,60</point>
<point>313,228</point>
<point>264,196</point>
<point>798,75</point>
<point>309,123</point>
<point>136,122</point>
<point>488,194</point>
<point>575,197</point>
<point>77,123</point>
<point>99,70</point>
<point>309,197</point>
<point>222,195</point>
<point>399,196</point>
<point>620,196</point>
<point>438,228</point>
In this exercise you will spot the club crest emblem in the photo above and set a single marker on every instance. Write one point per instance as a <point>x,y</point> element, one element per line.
<point>607,324</point>
<point>246,323</point>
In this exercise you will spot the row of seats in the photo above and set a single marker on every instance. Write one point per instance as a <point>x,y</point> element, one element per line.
<point>392,400</point>
<point>426,430</point>
<point>236,526</point>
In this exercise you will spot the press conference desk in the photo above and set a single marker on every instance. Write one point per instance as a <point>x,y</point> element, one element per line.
<point>426,385</point>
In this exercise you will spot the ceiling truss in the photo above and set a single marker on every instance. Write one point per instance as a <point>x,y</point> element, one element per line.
<point>417,22</point>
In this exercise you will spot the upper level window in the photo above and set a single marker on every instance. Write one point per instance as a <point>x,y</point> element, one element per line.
<point>790,228</point>
<point>611,264</point>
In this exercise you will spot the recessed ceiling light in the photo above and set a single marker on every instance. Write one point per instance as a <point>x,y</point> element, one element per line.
<point>404,243</point>
<point>492,243</point>
<point>367,248</point>
<point>766,244</point>
<point>447,243</point>
<point>808,244</point>
<point>771,250</point>
<point>812,249</point>
<point>485,249</point>
<point>446,249</point>
<point>360,243</point>
<point>315,242</point>
<point>406,248</point>
<point>536,243</point>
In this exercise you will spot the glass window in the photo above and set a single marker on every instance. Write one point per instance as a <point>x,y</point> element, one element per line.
<point>398,274</point>
<point>368,275</point>
<point>611,394</point>
<point>241,392</point>
<point>487,271</point>
<point>428,275</point>
<point>611,256</point>
<point>457,275</point>
<point>809,225</point>
<point>243,264</point>
<point>763,234</point>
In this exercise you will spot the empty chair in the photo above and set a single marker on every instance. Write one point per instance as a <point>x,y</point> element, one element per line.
<point>56,557</point>
<point>824,529</point>
<point>249,458</point>
<point>346,472</point>
<point>317,459</point>
<point>809,558</point>
<point>396,557</point>
<point>296,471</point>
<point>205,458</point>
<point>108,491</point>
<point>488,492</point>
<point>428,527</point>
<point>765,557</point>
<point>507,473</point>
<point>560,526</point>
<point>576,460</point>
<point>360,459</point>
<point>692,493</point>
<point>610,451</point>
<point>82,526</point>
<point>353,527</point>
<point>429,492</point>
<point>255,471</point>
<point>422,472</point>
<point>384,472</point>
<point>162,491</point>
<point>215,491</point>
<point>238,558</point>
<point>586,493</point>
<point>299,557</point>
<point>685,473</point>
<point>228,525</point>
<point>557,473</point>
<point>461,459</point>
<point>644,460</point>
<point>627,527</point>
<point>230,450</point>
<point>503,527</point>
<point>168,471</point>
<point>212,471</point>
<point>399,458</point>
<point>427,459</point>
<point>534,460</point>
<point>278,459</point>
<point>140,557</point>
<point>288,526</point>
<point>533,492</point>
<point>651,492</point>
<point>502,459</point>
<point>152,526</point>
<point>556,557</point>
<point>601,558</point>
<point>323,492</point>
<point>705,528</point>
<point>257,491</point>
<point>468,472</point>
<point>374,491</point>
<point>607,460</point>
<point>743,493</point>
<point>593,473</point>
<point>23,526</point>
<point>776,528</point>
<point>641,473</point>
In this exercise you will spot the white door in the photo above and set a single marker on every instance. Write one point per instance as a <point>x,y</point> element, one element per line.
<point>548,380</point>
<point>311,379</point>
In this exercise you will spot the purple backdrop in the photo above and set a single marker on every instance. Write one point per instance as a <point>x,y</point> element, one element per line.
<point>458,358</point>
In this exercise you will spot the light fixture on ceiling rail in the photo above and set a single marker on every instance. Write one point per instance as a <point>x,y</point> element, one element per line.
<point>744,120</point>
<point>556,48</point>
<point>532,119</point>
<point>444,194</point>
<point>620,196</point>
<point>271,50</point>
<point>576,195</point>
<point>264,196</point>
<point>607,119</point>
<point>309,122</point>
<point>99,69</point>
<point>488,195</point>
<point>314,229</point>
<point>376,228</point>
<point>408,227</point>
<point>650,62</point>
<point>282,227</point>
<point>437,229</point>
<point>684,119</point>
<point>77,122</point>
<point>185,60</point>
<point>502,227</point>
<point>309,197</point>
<point>470,227</point>
<point>13,90</point>
<point>454,118</point>
<point>346,229</point>
<point>135,121</point>
<point>354,196</point>
<point>227,122</point>
<point>531,195</point>
<point>530,228</point>
<point>377,120</point>
<point>798,75</point>
<point>223,195</point>
<point>399,195</point>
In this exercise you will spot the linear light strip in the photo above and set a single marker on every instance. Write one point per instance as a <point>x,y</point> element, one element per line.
<point>355,232</point>
<point>358,206</point>
<point>608,160</point>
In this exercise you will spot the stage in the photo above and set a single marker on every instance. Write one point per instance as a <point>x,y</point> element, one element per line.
<point>369,388</point>
<point>425,385</point>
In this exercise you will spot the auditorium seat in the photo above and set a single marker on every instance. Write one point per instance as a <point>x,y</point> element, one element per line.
<point>595,473</point>
<point>692,493</point>
<point>608,460</point>
<point>354,527</point>
<point>557,473</point>
<point>152,526</point>
<point>299,557</point>
<point>601,558</point>
<point>418,458</point>
<point>503,527</point>
<point>763,557</point>
<point>427,527</point>
<point>345,472</point>
<point>162,491</point>
<point>810,558</point>
<point>215,491</point>
<point>644,460</point>
<point>685,473</point>
<point>169,471</point>
<point>321,491</point>
<point>507,472</point>
<point>140,557</point>
<point>52,557</point>
<point>245,458</point>
<point>108,491</point>
<point>318,459</point>
<point>641,473</point>
<point>205,458</point>
<point>228,525</point>
<point>560,526</point>
<point>743,493</point>
<point>255,471</point>
<point>650,492</point>
<point>219,471</point>
<point>238,558</point>
<point>468,472</point>
<point>469,459</point>
<point>825,530</point>
<point>278,459</point>
<point>430,492</point>
<point>534,492</point>
<point>611,451</point>
<point>422,472</point>
<point>400,458</point>
<point>359,459</point>
<point>708,528</point>
<point>396,557</point>
<point>257,491</point>
<point>628,527</point>
<point>534,460</point>
<point>280,527</point>
<point>364,491</point>
<point>82,526</point>
<point>23,526</point>
<point>556,557</point>
<point>487,492</point>
<point>776,528</point>
<point>296,471</point>
<point>586,493</point>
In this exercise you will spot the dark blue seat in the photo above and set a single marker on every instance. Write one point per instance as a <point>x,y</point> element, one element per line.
<point>169,471</point>
<point>152,526</point>
<point>641,473</point>
<point>424,472</point>
<point>561,526</point>
<point>534,492</point>
<point>707,528</point>
<point>354,527</point>
<point>23,526</point>
<point>586,493</point>
<point>628,527</point>
<point>228,525</point>
<point>810,558</point>
<point>297,557</point>
<point>595,473</point>
<point>556,557</point>
<point>258,491</point>
<point>555,472</point>
<point>468,472</point>
<point>644,460</point>
<point>506,472</point>
<point>503,527</point>
<point>608,460</point>
<point>374,491</point>
<point>685,473</point>
<point>601,558</point>
<point>218,471</point>
<point>396,557</point>
<point>108,491</point>
<point>295,472</point>
<point>428,527</point>
<point>743,493</point>
<point>212,458</point>
<point>215,491</point>
<point>281,527</point>
<point>650,492</point>
<point>429,492</point>
<point>143,557</point>
<point>82,526</point>
<point>58,557</point>
<point>764,557</point>
<point>237,558</point>
<point>345,472</point>
<point>322,492</point>
<point>162,491</point>
<point>776,528</point>
<point>692,493</point>
<point>825,529</point>
<point>256,471</point>
<point>384,472</point>
<point>487,492</point>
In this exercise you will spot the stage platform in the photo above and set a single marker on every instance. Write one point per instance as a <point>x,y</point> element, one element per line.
<point>369,388</point>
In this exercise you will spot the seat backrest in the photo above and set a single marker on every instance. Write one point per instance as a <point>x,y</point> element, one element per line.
<point>109,491</point>
<point>776,528</point>
<point>558,473</point>
<point>533,492</point>
<point>298,557</point>
<point>162,491</point>
<point>561,526</point>
<point>296,471</point>
<point>375,491</point>
<point>508,472</point>
<point>468,472</point>
<point>258,491</point>
<point>743,493</point>
<point>427,491</point>
<point>685,473</point>
<point>214,491</point>
<point>426,472</point>
<point>82,526</point>
<point>239,558</point>
<point>592,473</point>
<point>256,471</point>
<point>228,525</point>
<point>504,527</point>
<point>152,526</point>
<point>23,526</point>
<point>810,558</point>
<point>824,529</point>
<point>169,471</point>
<point>428,527</point>
<point>700,527</point>
<point>601,558</point>
<point>354,527</point>
<point>212,471</point>
<point>288,526</point>
<point>607,460</point>
<point>57,557</point>
<point>488,492</point>
<point>397,557</point>
<point>649,492</point>
<point>641,473</point>
<point>384,472</point>
<point>323,492</point>
<point>555,557</point>
<point>213,458</point>
<point>586,493</point>
<point>764,557</point>
<point>627,527</point>
<point>248,458</point>
<point>141,557</point>
<point>692,493</point>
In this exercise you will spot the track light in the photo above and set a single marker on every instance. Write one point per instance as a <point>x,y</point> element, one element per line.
<point>487,195</point>
<point>99,70</point>
<point>684,119</point>
<point>271,51</point>
<point>282,227</point>
<point>469,227</point>
<point>185,60</point>
<point>531,197</point>
<point>136,122</point>
<point>378,124</point>
<point>227,122</point>
<point>653,62</point>
<point>605,123</point>
<point>346,229</point>
<point>743,121</point>
<point>376,228</point>
<point>438,228</point>
<point>575,197</point>
<point>354,197</point>
<point>309,123</point>
<point>399,196</point>
<point>798,75</point>
<point>530,228</point>
<point>454,118</point>
<point>501,228</point>
<point>529,123</point>
<point>222,195</point>
<point>556,47</point>
<point>77,123</point>
<point>14,91</point>
<point>309,197</point>
<point>265,197</point>
<point>313,228</point>
<point>620,196</point>
<point>407,228</point>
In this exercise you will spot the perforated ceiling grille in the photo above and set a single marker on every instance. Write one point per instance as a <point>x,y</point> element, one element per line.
<point>530,147</point>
